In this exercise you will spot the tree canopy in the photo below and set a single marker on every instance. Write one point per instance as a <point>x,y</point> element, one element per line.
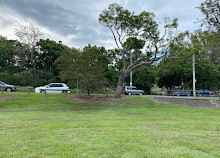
<point>86,66</point>
<point>211,10</point>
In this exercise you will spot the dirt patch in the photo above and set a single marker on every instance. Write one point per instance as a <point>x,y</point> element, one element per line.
<point>92,98</point>
<point>3,99</point>
<point>200,103</point>
<point>94,102</point>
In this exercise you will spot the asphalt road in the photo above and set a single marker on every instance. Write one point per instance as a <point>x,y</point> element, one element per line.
<point>199,102</point>
<point>186,97</point>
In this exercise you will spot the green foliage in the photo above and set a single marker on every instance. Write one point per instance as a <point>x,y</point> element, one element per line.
<point>50,51</point>
<point>177,71</point>
<point>86,66</point>
<point>144,78</point>
<point>112,77</point>
<point>42,77</point>
<point>9,78</point>
<point>211,10</point>
<point>13,55</point>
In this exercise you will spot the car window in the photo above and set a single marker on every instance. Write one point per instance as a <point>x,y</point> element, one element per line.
<point>134,88</point>
<point>56,85</point>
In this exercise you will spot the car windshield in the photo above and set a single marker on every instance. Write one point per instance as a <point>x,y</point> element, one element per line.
<point>2,83</point>
<point>56,85</point>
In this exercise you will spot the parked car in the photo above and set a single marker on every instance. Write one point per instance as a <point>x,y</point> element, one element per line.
<point>53,88</point>
<point>7,87</point>
<point>181,93</point>
<point>204,92</point>
<point>131,90</point>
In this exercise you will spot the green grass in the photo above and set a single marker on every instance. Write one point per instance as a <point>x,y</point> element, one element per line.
<point>39,125</point>
<point>25,90</point>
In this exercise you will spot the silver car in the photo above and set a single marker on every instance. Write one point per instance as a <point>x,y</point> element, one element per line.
<point>131,90</point>
<point>7,87</point>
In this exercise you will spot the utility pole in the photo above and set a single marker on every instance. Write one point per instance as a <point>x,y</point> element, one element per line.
<point>194,78</point>
<point>131,71</point>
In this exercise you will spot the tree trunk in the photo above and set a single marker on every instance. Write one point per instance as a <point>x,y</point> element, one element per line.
<point>33,64</point>
<point>119,89</point>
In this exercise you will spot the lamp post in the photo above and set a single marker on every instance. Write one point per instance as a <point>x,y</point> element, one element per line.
<point>131,71</point>
<point>194,78</point>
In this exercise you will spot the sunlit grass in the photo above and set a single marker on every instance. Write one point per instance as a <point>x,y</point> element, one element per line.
<point>39,125</point>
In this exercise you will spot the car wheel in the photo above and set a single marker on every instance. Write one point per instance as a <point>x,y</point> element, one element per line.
<point>8,89</point>
<point>129,93</point>
<point>64,91</point>
<point>42,91</point>
<point>140,94</point>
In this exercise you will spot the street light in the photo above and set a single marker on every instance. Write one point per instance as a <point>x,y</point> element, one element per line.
<point>131,71</point>
<point>194,77</point>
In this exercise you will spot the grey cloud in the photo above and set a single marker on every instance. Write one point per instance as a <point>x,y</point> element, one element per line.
<point>59,19</point>
<point>47,14</point>
<point>80,17</point>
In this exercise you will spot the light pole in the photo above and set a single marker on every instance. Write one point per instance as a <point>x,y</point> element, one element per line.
<point>194,77</point>
<point>131,71</point>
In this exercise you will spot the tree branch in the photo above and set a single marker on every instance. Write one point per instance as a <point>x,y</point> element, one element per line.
<point>114,37</point>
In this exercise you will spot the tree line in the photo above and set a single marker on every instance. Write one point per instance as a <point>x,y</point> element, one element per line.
<point>158,59</point>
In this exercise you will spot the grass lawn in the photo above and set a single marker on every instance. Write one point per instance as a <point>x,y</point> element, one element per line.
<point>39,125</point>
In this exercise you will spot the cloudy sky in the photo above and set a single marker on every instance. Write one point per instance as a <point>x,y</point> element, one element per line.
<point>75,22</point>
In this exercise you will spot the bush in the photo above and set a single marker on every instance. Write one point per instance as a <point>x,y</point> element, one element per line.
<point>9,78</point>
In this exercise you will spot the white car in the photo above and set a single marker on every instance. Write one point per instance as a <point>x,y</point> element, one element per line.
<point>53,88</point>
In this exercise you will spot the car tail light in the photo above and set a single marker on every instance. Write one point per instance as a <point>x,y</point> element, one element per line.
<point>68,88</point>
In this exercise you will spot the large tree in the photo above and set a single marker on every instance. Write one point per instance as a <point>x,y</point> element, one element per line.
<point>30,35</point>
<point>126,28</point>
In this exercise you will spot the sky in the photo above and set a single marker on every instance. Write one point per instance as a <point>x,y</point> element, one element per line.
<point>75,22</point>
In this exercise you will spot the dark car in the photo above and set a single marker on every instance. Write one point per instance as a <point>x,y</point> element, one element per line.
<point>181,93</point>
<point>7,87</point>
<point>204,92</point>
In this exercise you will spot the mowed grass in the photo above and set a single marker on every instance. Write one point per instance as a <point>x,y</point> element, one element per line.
<point>51,125</point>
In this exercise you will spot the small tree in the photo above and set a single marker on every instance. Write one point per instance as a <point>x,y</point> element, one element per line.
<point>85,66</point>
<point>126,28</point>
